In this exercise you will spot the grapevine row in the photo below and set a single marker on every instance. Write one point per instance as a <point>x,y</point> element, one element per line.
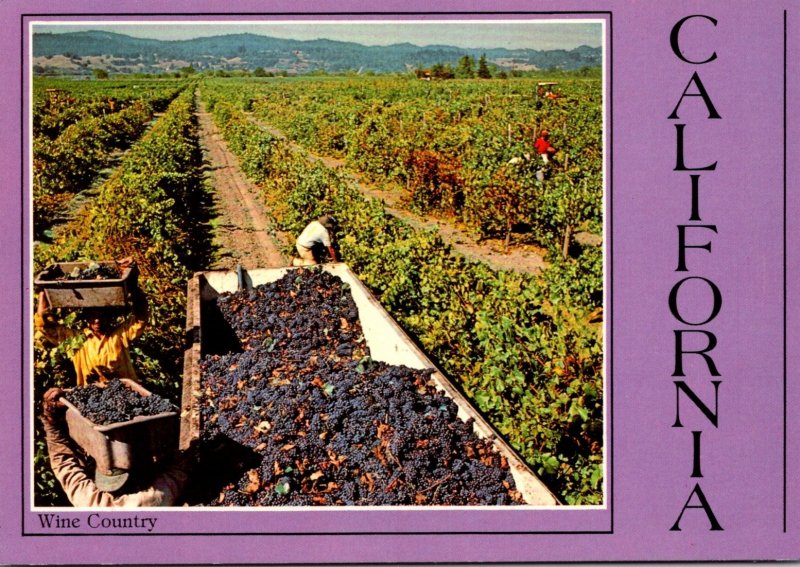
<point>58,104</point>
<point>149,209</point>
<point>526,349</point>
<point>448,145</point>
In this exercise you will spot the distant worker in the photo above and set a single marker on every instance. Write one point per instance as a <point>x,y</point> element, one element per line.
<point>105,351</point>
<point>544,148</point>
<point>315,242</point>
<point>141,487</point>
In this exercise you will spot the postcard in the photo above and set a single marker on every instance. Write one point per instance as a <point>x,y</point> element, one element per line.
<point>349,283</point>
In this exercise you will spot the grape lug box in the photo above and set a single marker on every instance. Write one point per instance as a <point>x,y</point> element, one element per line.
<point>387,342</point>
<point>120,445</point>
<point>85,293</point>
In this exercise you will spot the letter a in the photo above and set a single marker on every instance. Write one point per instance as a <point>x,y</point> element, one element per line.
<point>715,527</point>
<point>701,92</point>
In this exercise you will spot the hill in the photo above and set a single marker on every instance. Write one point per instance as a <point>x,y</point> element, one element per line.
<point>80,52</point>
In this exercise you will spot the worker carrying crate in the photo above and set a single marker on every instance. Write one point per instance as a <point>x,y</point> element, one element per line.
<point>87,484</point>
<point>105,351</point>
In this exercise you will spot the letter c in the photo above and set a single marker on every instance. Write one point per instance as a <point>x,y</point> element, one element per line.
<point>674,39</point>
<point>92,519</point>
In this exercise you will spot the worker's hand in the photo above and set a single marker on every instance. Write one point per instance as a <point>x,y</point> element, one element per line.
<point>53,405</point>
<point>43,306</point>
<point>125,262</point>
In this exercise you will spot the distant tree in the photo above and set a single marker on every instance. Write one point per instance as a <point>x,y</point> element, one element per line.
<point>442,71</point>
<point>100,73</point>
<point>186,71</point>
<point>502,75</point>
<point>466,68</point>
<point>589,72</point>
<point>483,68</point>
<point>259,72</point>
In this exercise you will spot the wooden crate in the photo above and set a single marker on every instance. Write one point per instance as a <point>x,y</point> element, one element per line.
<point>85,293</point>
<point>121,445</point>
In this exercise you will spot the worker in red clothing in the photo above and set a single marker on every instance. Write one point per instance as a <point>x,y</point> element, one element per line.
<point>544,148</point>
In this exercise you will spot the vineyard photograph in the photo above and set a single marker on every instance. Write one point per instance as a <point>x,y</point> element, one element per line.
<point>352,264</point>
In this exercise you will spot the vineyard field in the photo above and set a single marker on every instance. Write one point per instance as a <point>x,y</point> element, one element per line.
<point>76,132</point>
<point>527,349</point>
<point>446,145</point>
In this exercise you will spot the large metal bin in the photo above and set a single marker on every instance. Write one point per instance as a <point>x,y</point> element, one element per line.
<point>386,340</point>
<point>121,445</point>
<point>85,293</point>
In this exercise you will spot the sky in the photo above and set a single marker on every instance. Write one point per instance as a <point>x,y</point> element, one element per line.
<point>511,35</point>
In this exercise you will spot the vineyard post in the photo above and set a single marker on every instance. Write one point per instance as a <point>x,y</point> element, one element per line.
<point>565,244</point>
<point>509,224</point>
<point>569,206</point>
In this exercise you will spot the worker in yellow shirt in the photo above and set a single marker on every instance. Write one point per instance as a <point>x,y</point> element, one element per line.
<point>105,351</point>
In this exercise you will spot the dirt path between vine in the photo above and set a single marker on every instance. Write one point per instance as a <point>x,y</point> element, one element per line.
<point>243,231</point>
<point>519,258</point>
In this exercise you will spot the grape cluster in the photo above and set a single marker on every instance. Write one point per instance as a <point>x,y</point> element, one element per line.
<point>93,271</point>
<point>329,425</point>
<point>115,403</point>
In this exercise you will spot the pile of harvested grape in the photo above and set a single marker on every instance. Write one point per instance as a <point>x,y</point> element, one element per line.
<point>115,403</point>
<point>328,425</point>
<point>93,271</point>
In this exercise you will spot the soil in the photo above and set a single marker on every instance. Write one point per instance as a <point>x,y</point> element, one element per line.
<point>244,233</point>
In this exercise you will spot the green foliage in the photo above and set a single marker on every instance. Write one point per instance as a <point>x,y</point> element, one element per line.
<point>466,67</point>
<point>148,209</point>
<point>483,68</point>
<point>447,146</point>
<point>526,349</point>
<point>76,135</point>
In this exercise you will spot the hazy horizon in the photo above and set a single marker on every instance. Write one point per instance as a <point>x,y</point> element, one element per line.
<point>542,35</point>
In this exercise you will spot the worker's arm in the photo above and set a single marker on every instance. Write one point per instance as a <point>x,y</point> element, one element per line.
<point>139,307</point>
<point>70,472</point>
<point>327,241</point>
<point>67,467</point>
<point>165,490</point>
<point>135,325</point>
<point>46,326</point>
